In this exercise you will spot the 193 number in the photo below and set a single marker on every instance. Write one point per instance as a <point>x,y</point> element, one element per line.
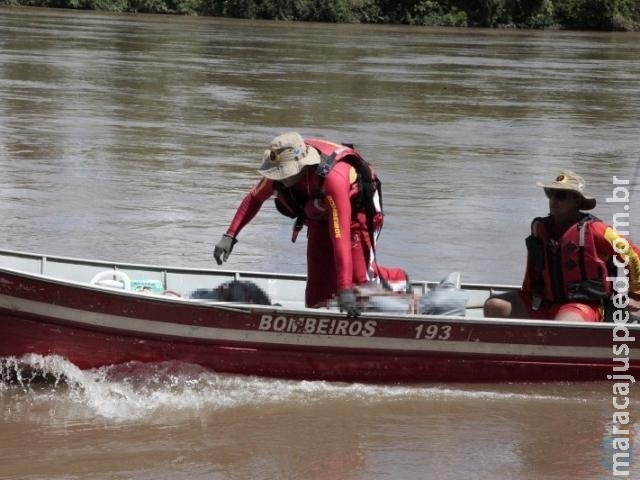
<point>433,331</point>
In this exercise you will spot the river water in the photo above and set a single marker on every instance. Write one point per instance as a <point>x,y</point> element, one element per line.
<point>133,138</point>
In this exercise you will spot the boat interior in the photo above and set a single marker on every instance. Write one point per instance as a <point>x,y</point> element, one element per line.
<point>191,284</point>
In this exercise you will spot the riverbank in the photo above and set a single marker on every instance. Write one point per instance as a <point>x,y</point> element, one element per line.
<point>606,15</point>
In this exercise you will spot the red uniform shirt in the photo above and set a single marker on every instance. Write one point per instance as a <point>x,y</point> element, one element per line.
<point>333,208</point>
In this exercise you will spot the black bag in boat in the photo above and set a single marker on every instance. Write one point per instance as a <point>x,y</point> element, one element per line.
<point>242,291</point>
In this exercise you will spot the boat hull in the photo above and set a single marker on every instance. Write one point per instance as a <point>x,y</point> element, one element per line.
<point>90,349</point>
<point>94,327</point>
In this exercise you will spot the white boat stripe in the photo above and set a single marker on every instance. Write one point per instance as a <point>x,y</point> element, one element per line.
<point>135,325</point>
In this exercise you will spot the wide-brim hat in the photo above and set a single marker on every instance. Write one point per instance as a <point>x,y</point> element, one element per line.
<point>567,180</point>
<point>286,156</point>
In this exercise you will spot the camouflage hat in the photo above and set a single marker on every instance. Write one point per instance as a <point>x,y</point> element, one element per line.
<point>567,180</point>
<point>286,156</point>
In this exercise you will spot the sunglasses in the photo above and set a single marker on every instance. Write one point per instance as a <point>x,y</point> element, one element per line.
<point>561,195</point>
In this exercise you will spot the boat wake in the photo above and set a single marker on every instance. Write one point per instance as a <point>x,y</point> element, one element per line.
<point>140,390</point>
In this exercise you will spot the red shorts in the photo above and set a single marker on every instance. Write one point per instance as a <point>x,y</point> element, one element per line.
<point>589,311</point>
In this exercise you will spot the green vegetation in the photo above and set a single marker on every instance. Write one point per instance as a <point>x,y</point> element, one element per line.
<point>623,15</point>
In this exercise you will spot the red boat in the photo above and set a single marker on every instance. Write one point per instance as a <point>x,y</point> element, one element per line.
<point>98,313</point>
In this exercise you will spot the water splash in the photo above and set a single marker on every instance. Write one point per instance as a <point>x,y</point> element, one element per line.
<point>138,390</point>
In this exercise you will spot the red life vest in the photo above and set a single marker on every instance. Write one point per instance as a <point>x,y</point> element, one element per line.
<point>368,199</point>
<point>568,269</point>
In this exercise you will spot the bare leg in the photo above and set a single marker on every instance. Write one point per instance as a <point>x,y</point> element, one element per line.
<point>505,305</point>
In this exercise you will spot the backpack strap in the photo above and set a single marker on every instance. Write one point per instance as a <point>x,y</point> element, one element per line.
<point>582,227</point>
<point>368,186</point>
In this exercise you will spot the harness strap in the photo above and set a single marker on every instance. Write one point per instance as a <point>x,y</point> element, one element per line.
<point>326,164</point>
<point>366,187</point>
<point>581,234</point>
<point>297,226</point>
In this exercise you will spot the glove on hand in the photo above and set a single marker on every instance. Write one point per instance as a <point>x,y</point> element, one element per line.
<point>347,303</point>
<point>223,248</point>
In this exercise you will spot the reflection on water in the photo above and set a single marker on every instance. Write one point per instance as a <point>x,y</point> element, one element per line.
<point>209,423</point>
<point>134,137</point>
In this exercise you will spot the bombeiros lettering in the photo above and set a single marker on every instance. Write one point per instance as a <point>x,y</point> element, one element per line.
<point>320,326</point>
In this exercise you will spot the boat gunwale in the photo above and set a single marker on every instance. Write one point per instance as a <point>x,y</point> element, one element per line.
<point>252,308</point>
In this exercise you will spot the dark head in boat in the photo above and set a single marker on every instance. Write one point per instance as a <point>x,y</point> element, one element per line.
<point>234,291</point>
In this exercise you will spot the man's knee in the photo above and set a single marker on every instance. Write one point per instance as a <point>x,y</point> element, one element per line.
<point>497,307</point>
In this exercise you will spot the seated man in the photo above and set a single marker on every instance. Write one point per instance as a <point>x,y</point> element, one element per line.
<point>572,257</point>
